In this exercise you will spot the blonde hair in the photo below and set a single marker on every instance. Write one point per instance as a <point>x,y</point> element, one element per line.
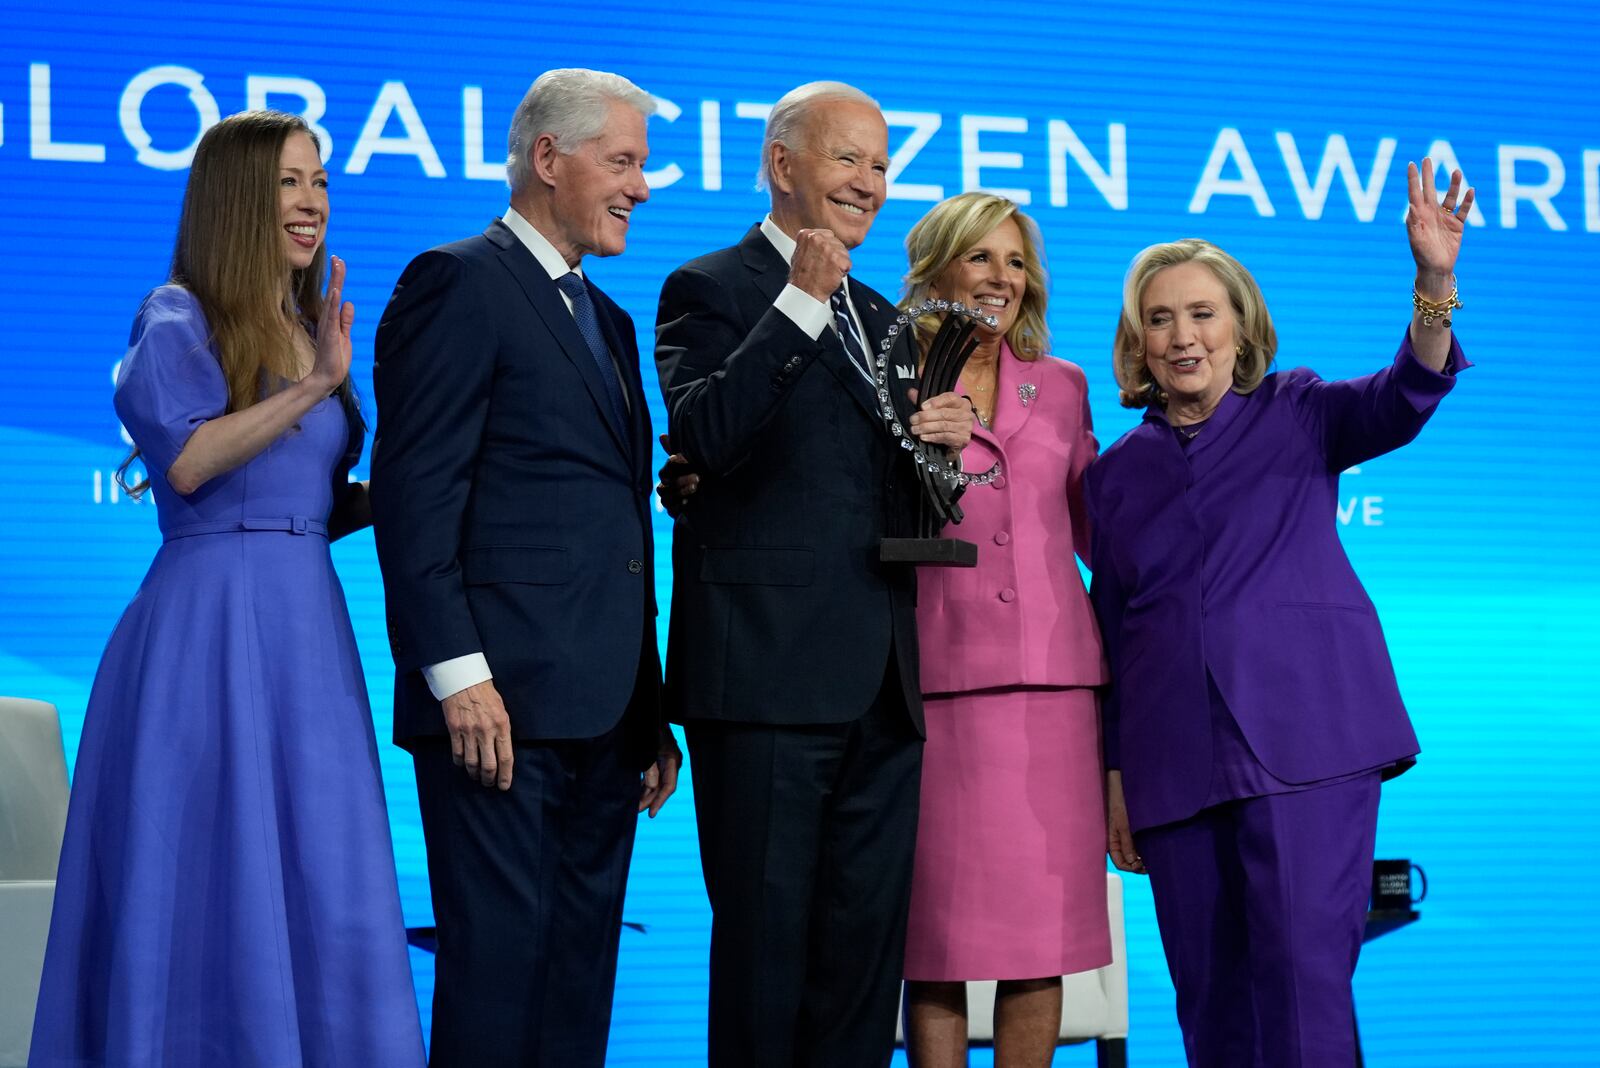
<point>955,225</point>
<point>1256,337</point>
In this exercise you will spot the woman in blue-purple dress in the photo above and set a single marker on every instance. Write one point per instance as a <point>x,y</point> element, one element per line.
<point>227,894</point>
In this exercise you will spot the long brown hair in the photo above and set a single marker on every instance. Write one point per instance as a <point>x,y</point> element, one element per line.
<point>229,254</point>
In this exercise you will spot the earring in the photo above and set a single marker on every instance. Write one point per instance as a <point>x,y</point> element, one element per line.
<point>1238,350</point>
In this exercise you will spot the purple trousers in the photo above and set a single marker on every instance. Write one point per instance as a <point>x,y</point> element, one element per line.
<point>1262,904</point>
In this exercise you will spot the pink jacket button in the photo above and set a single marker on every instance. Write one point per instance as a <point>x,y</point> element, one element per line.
<point>1008,595</point>
<point>1001,538</point>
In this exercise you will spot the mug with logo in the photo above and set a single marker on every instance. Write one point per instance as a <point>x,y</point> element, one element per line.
<point>1392,885</point>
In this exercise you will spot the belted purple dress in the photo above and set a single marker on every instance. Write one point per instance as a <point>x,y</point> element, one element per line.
<point>227,893</point>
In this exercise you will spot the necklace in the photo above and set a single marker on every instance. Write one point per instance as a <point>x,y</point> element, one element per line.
<point>985,413</point>
<point>1190,432</point>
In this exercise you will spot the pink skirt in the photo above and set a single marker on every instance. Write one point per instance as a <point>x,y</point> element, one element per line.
<point>1010,869</point>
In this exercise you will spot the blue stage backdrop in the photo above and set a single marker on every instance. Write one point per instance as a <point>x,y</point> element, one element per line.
<point>1281,132</point>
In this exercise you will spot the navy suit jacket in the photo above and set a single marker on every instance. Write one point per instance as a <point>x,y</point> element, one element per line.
<point>511,513</point>
<point>1226,559</point>
<point>782,613</point>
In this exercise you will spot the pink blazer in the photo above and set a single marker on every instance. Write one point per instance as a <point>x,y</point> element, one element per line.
<point>1022,616</point>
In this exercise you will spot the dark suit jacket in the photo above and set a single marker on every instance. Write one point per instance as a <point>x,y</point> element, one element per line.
<point>782,613</point>
<point>1226,560</point>
<point>511,512</point>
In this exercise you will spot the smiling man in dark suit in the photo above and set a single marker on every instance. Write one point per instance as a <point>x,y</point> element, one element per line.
<point>510,492</point>
<point>793,654</point>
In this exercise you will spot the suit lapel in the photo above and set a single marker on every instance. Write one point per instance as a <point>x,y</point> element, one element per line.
<point>991,439</point>
<point>628,362</point>
<point>542,293</point>
<point>988,453</point>
<point>875,314</point>
<point>1015,381</point>
<point>771,274</point>
<point>1208,448</point>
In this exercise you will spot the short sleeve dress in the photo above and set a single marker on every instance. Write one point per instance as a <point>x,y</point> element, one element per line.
<point>226,893</point>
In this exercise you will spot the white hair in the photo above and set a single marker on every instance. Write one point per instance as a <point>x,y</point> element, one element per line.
<point>786,122</point>
<point>572,106</point>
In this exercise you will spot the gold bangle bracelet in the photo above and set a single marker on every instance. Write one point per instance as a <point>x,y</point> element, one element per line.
<point>1436,309</point>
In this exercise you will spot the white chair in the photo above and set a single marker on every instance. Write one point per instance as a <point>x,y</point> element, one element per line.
<point>33,815</point>
<point>1094,1004</point>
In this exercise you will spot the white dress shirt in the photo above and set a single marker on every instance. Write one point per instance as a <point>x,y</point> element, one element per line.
<point>807,312</point>
<point>812,315</point>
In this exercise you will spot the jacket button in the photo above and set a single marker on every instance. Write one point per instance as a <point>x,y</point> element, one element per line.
<point>999,482</point>
<point>635,566</point>
<point>1008,595</point>
<point>1001,538</point>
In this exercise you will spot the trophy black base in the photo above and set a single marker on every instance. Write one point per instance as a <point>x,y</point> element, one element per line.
<point>947,552</point>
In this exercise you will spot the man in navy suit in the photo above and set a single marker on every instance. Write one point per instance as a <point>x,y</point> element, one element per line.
<point>510,493</point>
<point>793,652</point>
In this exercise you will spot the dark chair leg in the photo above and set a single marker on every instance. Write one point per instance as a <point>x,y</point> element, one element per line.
<point>1111,1052</point>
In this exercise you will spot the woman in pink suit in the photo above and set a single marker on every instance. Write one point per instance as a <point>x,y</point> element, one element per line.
<point>1009,882</point>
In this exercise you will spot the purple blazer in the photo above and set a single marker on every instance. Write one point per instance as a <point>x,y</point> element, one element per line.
<point>1226,558</point>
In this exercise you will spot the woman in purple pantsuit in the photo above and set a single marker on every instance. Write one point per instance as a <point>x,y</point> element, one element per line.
<point>226,893</point>
<point>1253,709</point>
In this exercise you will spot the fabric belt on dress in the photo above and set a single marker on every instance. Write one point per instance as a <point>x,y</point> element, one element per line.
<point>282,524</point>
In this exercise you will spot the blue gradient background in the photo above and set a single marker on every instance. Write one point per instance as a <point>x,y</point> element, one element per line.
<point>1484,565</point>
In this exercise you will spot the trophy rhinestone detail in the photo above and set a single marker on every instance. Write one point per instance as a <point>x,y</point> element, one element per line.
<point>954,354</point>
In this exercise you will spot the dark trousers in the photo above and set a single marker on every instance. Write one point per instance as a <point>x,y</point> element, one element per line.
<point>527,895</point>
<point>806,840</point>
<point>1262,904</point>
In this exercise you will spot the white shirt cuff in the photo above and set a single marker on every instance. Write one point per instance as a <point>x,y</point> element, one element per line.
<point>805,311</point>
<point>451,676</point>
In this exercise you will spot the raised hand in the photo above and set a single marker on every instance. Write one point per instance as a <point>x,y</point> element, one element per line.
<point>332,363</point>
<point>1435,229</point>
<point>820,263</point>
